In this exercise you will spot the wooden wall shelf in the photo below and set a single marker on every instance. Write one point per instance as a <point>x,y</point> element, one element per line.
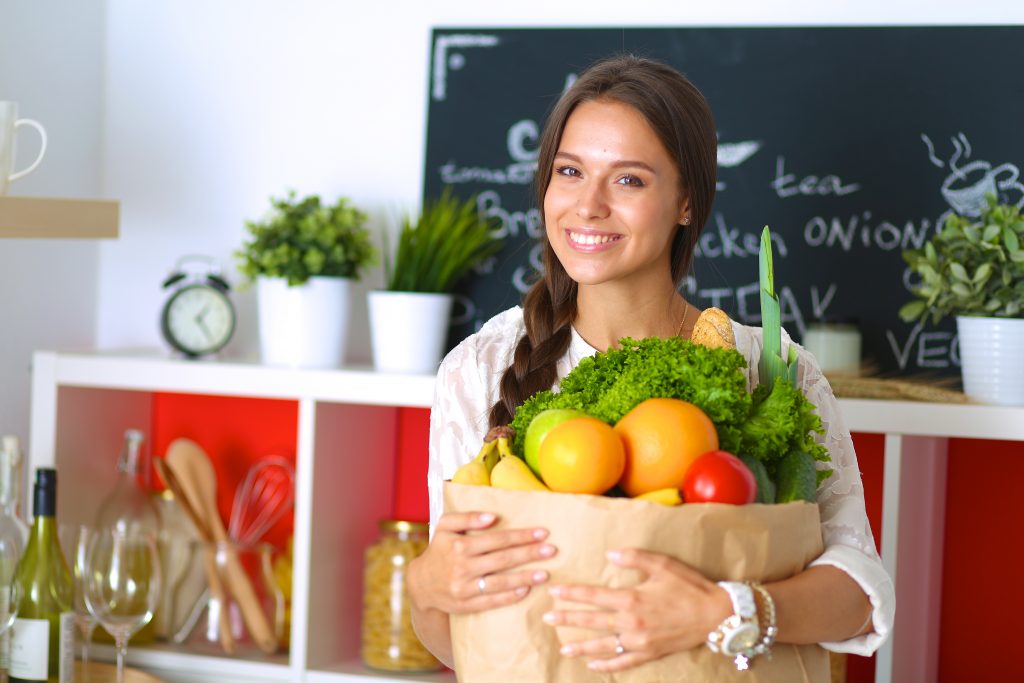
<point>50,218</point>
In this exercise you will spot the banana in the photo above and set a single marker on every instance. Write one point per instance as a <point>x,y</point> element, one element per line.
<point>664,496</point>
<point>514,474</point>
<point>477,472</point>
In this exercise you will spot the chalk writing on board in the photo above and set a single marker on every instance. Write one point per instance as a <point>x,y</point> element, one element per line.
<point>934,349</point>
<point>967,184</point>
<point>786,184</point>
<point>456,60</point>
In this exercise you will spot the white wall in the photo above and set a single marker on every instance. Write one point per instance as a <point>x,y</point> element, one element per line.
<point>215,105</point>
<point>192,112</point>
<point>51,57</point>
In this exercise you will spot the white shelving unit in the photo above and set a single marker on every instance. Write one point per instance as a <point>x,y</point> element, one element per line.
<point>345,448</point>
<point>347,418</point>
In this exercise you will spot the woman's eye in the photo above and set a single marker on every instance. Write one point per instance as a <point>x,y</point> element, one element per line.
<point>631,180</point>
<point>571,171</point>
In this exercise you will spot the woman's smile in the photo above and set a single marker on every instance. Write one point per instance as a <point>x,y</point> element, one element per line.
<point>589,241</point>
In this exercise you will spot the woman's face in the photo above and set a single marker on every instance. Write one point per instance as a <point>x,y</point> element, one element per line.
<point>614,201</point>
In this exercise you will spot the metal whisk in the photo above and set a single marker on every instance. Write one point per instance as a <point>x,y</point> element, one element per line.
<point>261,499</point>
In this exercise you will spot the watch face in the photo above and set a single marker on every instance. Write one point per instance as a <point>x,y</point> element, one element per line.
<point>198,319</point>
<point>741,638</point>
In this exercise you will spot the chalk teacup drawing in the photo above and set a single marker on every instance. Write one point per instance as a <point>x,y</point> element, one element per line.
<point>965,190</point>
<point>966,187</point>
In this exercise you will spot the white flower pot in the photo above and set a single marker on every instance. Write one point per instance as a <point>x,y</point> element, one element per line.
<point>305,326</point>
<point>408,330</point>
<point>992,359</point>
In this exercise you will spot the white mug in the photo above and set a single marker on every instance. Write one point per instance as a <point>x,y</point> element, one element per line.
<point>9,123</point>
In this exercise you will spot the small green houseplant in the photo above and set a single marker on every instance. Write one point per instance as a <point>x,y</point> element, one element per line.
<point>971,268</point>
<point>409,318</point>
<point>439,248</point>
<point>303,238</point>
<point>304,256</point>
<point>974,270</point>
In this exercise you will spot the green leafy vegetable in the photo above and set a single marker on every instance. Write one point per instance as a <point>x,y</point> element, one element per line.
<point>768,424</point>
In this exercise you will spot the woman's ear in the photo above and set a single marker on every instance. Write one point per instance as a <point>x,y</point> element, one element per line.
<point>684,212</point>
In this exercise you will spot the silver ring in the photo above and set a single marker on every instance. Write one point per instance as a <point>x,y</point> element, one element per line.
<point>619,647</point>
<point>481,584</point>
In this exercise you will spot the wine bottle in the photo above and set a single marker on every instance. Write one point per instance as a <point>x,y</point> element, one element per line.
<point>13,532</point>
<point>128,507</point>
<point>43,640</point>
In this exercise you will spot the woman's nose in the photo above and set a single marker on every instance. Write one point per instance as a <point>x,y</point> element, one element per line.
<point>591,201</point>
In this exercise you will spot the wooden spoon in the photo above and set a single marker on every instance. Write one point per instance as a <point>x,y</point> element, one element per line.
<point>198,481</point>
<point>227,641</point>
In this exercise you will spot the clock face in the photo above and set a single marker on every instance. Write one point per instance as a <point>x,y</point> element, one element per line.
<point>198,319</point>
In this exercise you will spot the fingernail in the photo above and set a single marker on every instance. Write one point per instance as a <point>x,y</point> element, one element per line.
<point>567,650</point>
<point>614,555</point>
<point>555,591</point>
<point>547,550</point>
<point>522,590</point>
<point>594,666</point>
<point>540,534</point>
<point>486,518</point>
<point>549,617</point>
<point>539,576</point>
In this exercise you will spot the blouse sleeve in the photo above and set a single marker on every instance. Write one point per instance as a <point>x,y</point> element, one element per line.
<point>458,420</point>
<point>849,543</point>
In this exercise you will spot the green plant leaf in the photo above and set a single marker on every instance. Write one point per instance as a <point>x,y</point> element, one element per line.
<point>991,233</point>
<point>1010,240</point>
<point>982,273</point>
<point>959,272</point>
<point>912,311</point>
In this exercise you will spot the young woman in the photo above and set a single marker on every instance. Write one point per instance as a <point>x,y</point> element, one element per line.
<point>626,179</point>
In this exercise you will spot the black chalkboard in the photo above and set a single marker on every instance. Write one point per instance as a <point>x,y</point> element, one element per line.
<point>851,143</point>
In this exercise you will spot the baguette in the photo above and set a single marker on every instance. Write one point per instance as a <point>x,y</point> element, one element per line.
<point>713,329</point>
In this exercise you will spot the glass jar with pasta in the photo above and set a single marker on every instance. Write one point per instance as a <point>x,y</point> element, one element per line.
<point>389,642</point>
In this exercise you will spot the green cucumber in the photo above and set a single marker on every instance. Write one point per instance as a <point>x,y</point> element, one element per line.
<point>765,485</point>
<point>798,478</point>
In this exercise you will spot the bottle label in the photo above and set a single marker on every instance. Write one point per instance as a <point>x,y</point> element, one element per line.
<point>67,647</point>
<point>30,648</point>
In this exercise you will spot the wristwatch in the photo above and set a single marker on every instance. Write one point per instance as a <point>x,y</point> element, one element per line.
<point>738,635</point>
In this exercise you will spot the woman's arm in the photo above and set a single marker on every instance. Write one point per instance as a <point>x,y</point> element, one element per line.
<point>820,604</point>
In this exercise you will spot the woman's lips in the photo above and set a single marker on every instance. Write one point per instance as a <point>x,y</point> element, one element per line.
<point>591,242</point>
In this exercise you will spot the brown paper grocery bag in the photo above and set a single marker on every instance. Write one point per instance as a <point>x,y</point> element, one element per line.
<point>724,542</point>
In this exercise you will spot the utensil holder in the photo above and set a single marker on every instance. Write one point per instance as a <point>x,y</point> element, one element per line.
<point>256,563</point>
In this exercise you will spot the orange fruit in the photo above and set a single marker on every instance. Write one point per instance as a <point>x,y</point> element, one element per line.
<point>662,437</point>
<point>581,455</point>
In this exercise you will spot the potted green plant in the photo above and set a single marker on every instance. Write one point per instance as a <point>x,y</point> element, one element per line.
<point>409,318</point>
<point>303,256</point>
<point>974,270</point>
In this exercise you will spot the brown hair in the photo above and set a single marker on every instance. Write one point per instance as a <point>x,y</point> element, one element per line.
<point>682,120</point>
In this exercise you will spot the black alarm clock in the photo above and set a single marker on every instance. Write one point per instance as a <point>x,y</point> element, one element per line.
<point>198,317</point>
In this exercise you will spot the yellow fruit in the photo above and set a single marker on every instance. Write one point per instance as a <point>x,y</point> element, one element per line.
<point>663,436</point>
<point>477,472</point>
<point>514,474</point>
<point>663,496</point>
<point>581,455</point>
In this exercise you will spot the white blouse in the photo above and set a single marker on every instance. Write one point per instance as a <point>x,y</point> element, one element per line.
<point>468,384</point>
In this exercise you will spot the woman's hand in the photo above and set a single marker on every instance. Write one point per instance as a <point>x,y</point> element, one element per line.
<point>462,572</point>
<point>672,610</point>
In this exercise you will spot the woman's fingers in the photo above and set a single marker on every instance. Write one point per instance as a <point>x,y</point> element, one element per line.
<point>460,522</point>
<point>492,541</point>
<point>499,590</point>
<point>653,564</point>
<point>502,560</point>
<point>608,653</point>
<point>614,599</point>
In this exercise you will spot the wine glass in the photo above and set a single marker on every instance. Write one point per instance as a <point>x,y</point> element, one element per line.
<point>74,539</point>
<point>122,583</point>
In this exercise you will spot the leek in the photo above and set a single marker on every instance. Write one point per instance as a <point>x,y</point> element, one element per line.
<point>771,365</point>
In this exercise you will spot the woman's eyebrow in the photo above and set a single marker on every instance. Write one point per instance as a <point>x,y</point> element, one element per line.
<point>624,163</point>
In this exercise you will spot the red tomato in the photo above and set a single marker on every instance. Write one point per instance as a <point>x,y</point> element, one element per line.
<point>719,477</point>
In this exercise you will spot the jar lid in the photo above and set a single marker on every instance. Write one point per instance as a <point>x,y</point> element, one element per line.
<point>402,525</point>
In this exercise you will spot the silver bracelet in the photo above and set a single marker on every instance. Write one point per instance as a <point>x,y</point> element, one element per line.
<point>769,628</point>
